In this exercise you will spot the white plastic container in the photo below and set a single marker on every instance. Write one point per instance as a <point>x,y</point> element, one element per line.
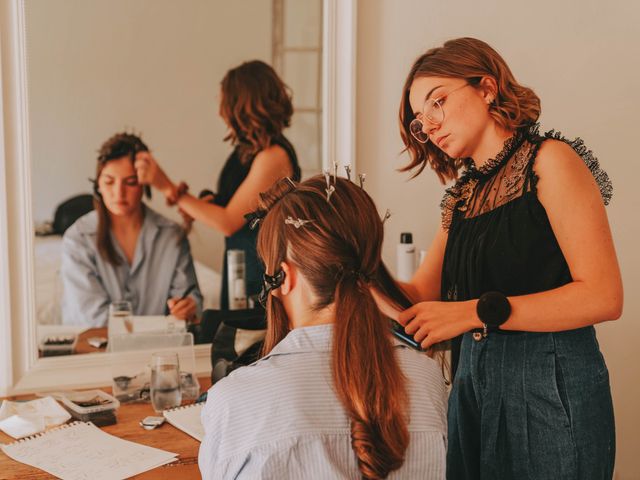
<point>90,406</point>
<point>406,257</point>
<point>236,279</point>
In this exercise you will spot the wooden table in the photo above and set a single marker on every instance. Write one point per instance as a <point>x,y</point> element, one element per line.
<point>166,437</point>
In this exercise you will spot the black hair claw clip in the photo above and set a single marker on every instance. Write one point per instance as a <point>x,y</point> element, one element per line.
<point>270,282</point>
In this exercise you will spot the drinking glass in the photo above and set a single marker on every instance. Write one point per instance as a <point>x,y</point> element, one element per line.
<point>165,381</point>
<point>120,317</point>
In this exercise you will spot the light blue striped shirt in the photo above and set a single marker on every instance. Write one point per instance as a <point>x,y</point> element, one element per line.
<point>162,268</point>
<point>280,417</point>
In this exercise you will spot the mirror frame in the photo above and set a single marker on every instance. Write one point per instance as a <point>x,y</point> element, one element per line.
<point>21,371</point>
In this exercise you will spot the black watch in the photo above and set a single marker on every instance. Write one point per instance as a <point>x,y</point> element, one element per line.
<point>493,310</point>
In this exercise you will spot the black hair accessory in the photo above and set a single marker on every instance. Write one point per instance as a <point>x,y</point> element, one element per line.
<point>255,217</point>
<point>270,282</point>
<point>363,277</point>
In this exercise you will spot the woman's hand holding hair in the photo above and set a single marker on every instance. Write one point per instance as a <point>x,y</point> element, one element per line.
<point>150,173</point>
<point>435,322</point>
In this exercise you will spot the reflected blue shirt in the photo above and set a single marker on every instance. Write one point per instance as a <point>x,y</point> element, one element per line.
<point>280,417</point>
<point>162,268</point>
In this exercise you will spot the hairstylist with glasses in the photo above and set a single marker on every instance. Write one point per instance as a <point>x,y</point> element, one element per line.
<point>521,269</point>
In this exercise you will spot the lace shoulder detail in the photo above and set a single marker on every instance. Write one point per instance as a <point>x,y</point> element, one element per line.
<point>499,181</point>
<point>601,177</point>
<point>457,196</point>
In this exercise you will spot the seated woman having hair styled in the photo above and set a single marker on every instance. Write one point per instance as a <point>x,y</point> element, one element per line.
<point>335,395</point>
<point>123,250</point>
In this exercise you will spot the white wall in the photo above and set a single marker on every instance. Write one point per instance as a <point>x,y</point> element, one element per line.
<point>582,60</point>
<point>155,66</point>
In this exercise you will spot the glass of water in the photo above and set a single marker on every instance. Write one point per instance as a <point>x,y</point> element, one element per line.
<point>120,317</point>
<point>165,381</point>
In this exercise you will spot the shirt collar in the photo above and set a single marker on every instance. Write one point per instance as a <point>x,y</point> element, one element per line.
<point>317,338</point>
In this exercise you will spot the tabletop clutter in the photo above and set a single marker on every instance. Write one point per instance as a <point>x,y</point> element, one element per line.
<point>158,368</point>
<point>80,449</point>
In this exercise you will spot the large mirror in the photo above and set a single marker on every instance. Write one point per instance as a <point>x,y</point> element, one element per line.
<point>152,68</point>
<point>75,72</point>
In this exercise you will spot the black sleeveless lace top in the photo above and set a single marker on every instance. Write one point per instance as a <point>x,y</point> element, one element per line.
<point>500,238</point>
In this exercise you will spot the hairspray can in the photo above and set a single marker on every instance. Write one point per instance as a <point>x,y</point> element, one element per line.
<point>406,258</point>
<point>236,279</point>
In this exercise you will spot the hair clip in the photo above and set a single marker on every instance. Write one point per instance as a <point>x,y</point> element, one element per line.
<point>387,216</point>
<point>297,222</point>
<point>327,177</point>
<point>362,177</point>
<point>270,282</point>
<point>255,217</point>
<point>292,186</point>
<point>335,172</point>
<point>330,191</point>
<point>347,168</point>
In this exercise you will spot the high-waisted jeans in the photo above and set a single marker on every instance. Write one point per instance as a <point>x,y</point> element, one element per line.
<point>531,406</point>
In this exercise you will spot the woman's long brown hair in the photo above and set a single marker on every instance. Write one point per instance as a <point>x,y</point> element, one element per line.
<point>339,254</point>
<point>256,104</point>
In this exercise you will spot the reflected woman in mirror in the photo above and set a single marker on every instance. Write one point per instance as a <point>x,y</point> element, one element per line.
<point>522,267</point>
<point>123,250</point>
<point>335,395</point>
<point>256,107</point>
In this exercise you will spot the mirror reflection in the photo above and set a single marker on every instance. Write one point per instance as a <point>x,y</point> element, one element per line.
<point>153,127</point>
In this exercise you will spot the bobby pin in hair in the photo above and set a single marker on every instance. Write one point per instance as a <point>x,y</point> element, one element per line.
<point>348,170</point>
<point>387,215</point>
<point>362,176</point>
<point>297,222</point>
<point>335,172</point>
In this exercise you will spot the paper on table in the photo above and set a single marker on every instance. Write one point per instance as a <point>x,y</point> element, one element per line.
<point>187,419</point>
<point>21,419</point>
<point>81,451</point>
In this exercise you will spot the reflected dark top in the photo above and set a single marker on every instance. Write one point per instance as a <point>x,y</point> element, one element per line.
<point>233,174</point>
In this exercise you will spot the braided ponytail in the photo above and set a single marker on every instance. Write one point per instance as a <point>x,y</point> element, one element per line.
<point>368,381</point>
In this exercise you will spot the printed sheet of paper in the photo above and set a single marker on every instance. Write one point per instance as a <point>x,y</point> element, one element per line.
<point>81,451</point>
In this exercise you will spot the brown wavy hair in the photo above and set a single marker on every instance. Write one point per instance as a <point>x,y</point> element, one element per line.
<point>118,146</point>
<point>515,106</point>
<point>339,254</point>
<point>256,104</point>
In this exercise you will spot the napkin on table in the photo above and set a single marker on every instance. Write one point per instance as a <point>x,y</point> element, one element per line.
<point>21,419</point>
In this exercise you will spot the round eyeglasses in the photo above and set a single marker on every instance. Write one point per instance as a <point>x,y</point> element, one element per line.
<point>433,112</point>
